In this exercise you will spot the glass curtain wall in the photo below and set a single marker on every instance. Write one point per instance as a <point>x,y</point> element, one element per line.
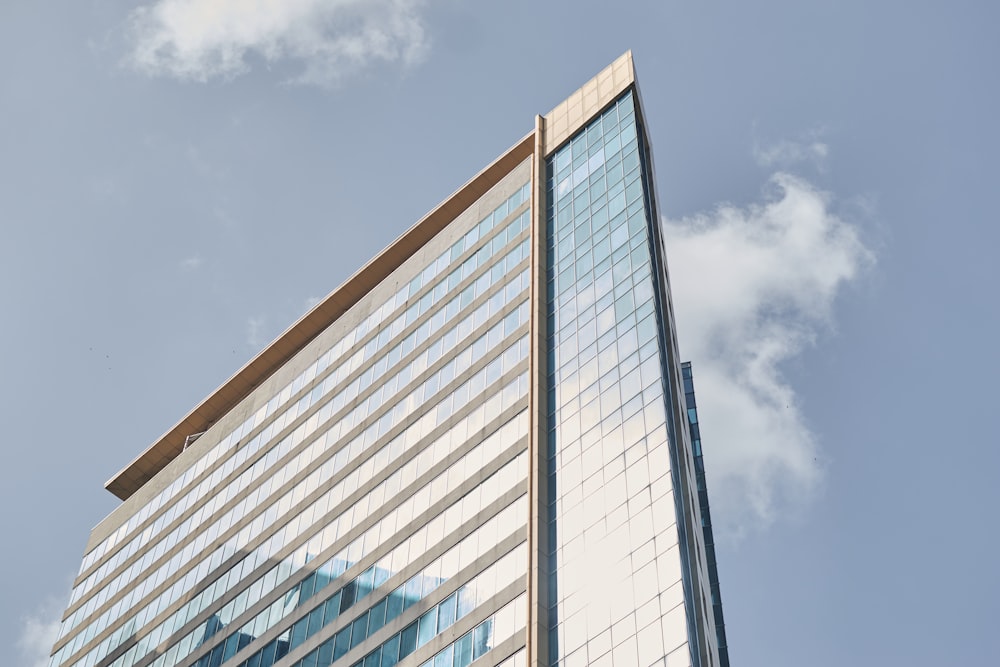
<point>616,590</point>
<point>354,496</point>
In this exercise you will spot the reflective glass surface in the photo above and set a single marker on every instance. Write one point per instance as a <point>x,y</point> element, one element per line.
<point>706,515</point>
<point>616,592</point>
<point>506,623</point>
<point>370,324</point>
<point>335,375</point>
<point>407,594</point>
<point>392,400</point>
<point>502,625</point>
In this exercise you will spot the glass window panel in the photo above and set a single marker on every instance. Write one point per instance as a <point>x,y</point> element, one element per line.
<point>447,610</point>
<point>281,647</point>
<point>311,659</point>
<point>374,659</point>
<point>359,630</point>
<point>347,594</point>
<point>332,607</point>
<point>366,579</point>
<point>342,644</point>
<point>316,619</point>
<point>390,651</point>
<point>427,626</point>
<point>407,640</point>
<point>325,653</point>
<point>376,617</point>
<point>299,632</point>
<point>267,654</point>
<point>444,658</point>
<point>394,604</point>
<point>230,647</point>
<point>463,651</point>
<point>482,640</point>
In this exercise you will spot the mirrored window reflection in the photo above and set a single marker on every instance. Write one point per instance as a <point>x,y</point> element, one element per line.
<point>431,623</point>
<point>480,230</point>
<point>514,289</point>
<point>509,476</point>
<point>607,452</point>
<point>484,637</point>
<point>335,376</point>
<point>427,423</point>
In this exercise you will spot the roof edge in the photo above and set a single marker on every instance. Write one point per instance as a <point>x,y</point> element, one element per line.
<point>577,110</point>
<point>168,446</point>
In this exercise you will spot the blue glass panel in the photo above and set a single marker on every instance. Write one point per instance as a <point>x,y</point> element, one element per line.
<point>376,617</point>
<point>446,612</point>
<point>412,592</point>
<point>390,651</point>
<point>365,582</point>
<point>463,651</point>
<point>444,658</point>
<point>231,646</point>
<point>306,589</point>
<point>325,653</point>
<point>407,640</point>
<point>394,605</point>
<point>299,632</point>
<point>281,647</point>
<point>603,313</point>
<point>267,656</point>
<point>359,630</point>
<point>332,607</point>
<point>315,620</point>
<point>381,576</point>
<point>466,601</point>
<point>374,659</point>
<point>482,638</point>
<point>427,626</point>
<point>347,595</point>
<point>342,644</point>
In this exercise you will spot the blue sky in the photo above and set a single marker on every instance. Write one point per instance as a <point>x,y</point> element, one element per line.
<point>181,179</point>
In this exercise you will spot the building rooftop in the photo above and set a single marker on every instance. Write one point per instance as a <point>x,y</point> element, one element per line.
<point>560,123</point>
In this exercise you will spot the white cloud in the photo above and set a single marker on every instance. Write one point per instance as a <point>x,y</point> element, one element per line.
<point>312,302</point>
<point>786,153</point>
<point>38,633</point>
<point>199,40</point>
<point>256,332</point>
<point>752,288</point>
<point>192,263</point>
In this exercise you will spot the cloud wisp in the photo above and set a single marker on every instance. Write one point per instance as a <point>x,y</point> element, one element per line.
<point>753,287</point>
<point>787,153</point>
<point>255,331</point>
<point>201,40</point>
<point>192,263</point>
<point>38,633</point>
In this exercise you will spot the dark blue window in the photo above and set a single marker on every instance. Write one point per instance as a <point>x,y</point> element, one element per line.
<point>342,644</point>
<point>407,640</point>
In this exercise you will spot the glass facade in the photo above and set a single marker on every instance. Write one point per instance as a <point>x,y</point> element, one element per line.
<point>368,502</point>
<point>378,436</point>
<point>613,505</point>
<point>706,516</point>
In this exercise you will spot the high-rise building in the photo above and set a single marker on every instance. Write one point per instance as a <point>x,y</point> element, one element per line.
<point>481,448</point>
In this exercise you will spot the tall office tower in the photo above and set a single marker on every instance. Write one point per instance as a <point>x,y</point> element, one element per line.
<point>477,450</point>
